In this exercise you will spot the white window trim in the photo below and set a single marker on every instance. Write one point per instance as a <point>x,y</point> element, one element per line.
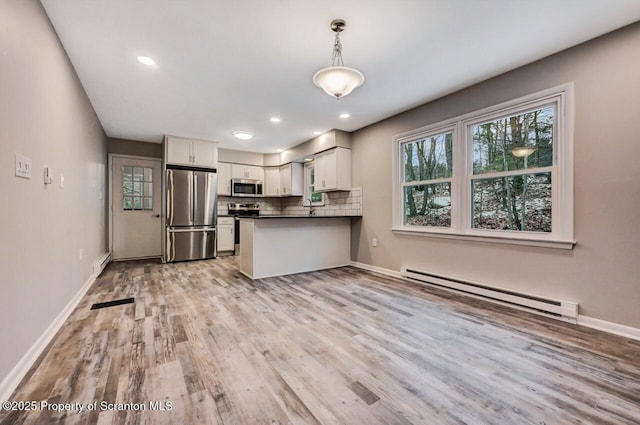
<point>307,184</point>
<point>561,235</point>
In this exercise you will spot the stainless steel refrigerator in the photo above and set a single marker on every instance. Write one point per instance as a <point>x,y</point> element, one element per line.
<point>191,214</point>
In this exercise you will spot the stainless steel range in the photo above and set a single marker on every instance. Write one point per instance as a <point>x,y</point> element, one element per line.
<point>241,210</point>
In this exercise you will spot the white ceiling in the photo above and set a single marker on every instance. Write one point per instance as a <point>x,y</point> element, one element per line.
<point>228,65</point>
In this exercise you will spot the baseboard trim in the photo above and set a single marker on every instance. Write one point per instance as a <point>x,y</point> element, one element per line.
<point>13,379</point>
<point>610,327</point>
<point>586,321</point>
<point>381,270</point>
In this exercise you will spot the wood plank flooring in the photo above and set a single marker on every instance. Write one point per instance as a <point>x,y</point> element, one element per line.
<point>341,346</point>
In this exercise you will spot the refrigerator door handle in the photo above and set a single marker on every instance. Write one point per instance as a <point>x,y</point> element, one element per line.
<point>195,197</point>
<point>192,230</point>
<point>171,252</point>
<point>170,197</point>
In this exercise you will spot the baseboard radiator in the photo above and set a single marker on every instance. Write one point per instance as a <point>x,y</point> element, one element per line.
<point>564,310</point>
<point>100,264</point>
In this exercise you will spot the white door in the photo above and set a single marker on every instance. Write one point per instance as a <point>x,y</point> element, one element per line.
<point>135,206</point>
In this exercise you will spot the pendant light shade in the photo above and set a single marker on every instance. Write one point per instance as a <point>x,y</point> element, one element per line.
<point>523,151</point>
<point>338,80</point>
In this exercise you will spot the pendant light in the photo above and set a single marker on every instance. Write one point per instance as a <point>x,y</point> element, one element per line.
<point>523,151</point>
<point>338,80</point>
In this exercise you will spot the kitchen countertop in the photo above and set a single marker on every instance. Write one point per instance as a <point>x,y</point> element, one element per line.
<point>301,216</point>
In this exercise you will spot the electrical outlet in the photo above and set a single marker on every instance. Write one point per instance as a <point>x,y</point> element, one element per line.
<point>61,181</point>
<point>23,166</point>
<point>374,242</point>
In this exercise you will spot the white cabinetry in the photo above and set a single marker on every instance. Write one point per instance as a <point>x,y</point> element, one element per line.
<point>225,234</point>
<point>200,153</point>
<point>292,180</point>
<point>224,179</point>
<point>272,181</point>
<point>251,172</point>
<point>333,170</point>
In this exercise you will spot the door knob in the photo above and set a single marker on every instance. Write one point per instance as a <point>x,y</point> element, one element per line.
<point>156,215</point>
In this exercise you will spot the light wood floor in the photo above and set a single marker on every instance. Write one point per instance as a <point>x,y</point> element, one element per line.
<point>341,346</point>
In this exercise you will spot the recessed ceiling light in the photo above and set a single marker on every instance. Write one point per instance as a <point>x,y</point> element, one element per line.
<point>344,116</point>
<point>317,133</point>
<point>243,135</point>
<point>146,60</point>
<point>279,150</point>
<point>275,119</point>
<point>308,159</point>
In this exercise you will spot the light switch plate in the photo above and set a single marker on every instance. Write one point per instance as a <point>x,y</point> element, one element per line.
<point>48,175</point>
<point>61,181</point>
<point>23,166</point>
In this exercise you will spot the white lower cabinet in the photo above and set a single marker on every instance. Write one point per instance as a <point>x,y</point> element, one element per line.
<point>225,234</point>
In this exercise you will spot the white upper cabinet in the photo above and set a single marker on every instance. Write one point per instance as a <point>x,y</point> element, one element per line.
<point>292,180</point>
<point>272,181</point>
<point>224,179</point>
<point>200,153</point>
<point>205,154</point>
<point>333,170</point>
<point>250,172</point>
<point>178,150</point>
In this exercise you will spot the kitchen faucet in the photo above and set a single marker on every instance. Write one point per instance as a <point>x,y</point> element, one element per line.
<point>310,205</point>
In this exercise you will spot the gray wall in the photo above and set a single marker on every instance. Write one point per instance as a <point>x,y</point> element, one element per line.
<point>45,115</point>
<point>602,271</point>
<point>134,147</point>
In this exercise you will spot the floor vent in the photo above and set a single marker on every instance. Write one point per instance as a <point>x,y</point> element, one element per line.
<point>112,303</point>
<point>565,310</point>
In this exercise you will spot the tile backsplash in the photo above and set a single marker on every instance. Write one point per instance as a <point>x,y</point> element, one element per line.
<point>335,203</point>
<point>268,206</point>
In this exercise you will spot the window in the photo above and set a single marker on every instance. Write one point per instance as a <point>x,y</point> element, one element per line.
<point>317,198</point>
<point>428,166</point>
<point>517,151</point>
<point>503,173</point>
<point>137,188</point>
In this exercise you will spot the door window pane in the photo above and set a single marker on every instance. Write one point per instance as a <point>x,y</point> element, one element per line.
<point>137,203</point>
<point>428,205</point>
<point>513,203</point>
<point>137,188</point>
<point>514,142</point>
<point>148,203</point>
<point>138,174</point>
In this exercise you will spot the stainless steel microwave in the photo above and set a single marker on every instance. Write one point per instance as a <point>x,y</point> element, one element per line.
<point>243,187</point>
